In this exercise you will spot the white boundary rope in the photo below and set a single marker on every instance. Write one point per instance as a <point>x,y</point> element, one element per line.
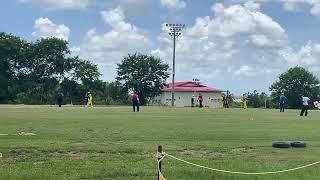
<point>243,173</point>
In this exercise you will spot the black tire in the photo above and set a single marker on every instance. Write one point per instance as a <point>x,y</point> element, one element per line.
<point>298,144</point>
<point>281,144</point>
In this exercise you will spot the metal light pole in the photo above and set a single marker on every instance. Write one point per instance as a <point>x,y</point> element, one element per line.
<point>175,32</point>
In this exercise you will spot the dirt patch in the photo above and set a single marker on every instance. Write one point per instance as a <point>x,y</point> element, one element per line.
<point>71,154</point>
<point>75,154</point>
<point>18,154</point>
<point>28,131</point>
<point>38,163</point>
<point>203,153</point>
<point>25,129</point>
<point>242,150</point>
<point>26,134</point>
<point>87,130</point>
<point>98,154</point>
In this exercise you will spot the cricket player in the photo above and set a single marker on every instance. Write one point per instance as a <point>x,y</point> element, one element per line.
<point>225,102</point>
<point>193,98</point>
<point>316,104</point>
<point>200,99</point>
<point>60,98</point>
<point>221,102</point>
<point>305,106</point>
<point>282,102</point>
<point>89,100</point>
<point>135,101</point>
<point>244,101</point>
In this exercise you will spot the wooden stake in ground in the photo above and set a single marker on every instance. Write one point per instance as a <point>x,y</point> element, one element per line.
<point>159,163</point>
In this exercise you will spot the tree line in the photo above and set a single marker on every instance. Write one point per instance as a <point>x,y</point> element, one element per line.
<point>294,83</point>
<point>34,73</point>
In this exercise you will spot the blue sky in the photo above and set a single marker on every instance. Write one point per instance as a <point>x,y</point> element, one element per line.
<point>239,45</point>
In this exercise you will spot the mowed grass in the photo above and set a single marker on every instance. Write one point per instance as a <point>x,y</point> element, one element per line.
<point>115,143</point>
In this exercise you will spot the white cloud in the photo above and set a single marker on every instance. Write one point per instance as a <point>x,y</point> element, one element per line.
<point>237,41</point>
<point>115,18</point>
<point>44,27</point>
<point>315,10</point>
<point>243,69</point>
<point>252,5</point>
<point>108,49</point>
<point>246,20</point>
<point>261,40</point>
<point>235,45</point>
<point>291,6</point>
<point>58,4</point>
<point>308,55</point>
<point>295,5</point>
<point>177,4</point>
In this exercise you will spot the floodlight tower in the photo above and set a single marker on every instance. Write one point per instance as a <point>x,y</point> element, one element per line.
<point>175,32</point>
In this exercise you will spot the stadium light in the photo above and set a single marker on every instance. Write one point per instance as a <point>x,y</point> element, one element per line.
<point>175,32</point>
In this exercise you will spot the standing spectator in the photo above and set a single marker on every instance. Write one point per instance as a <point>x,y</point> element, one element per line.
<point>200,99</point>
<point>305,106</point>
<point>135,101</point>
<point>282,102</point>
<point>60,98</point>
<point>193,98</point>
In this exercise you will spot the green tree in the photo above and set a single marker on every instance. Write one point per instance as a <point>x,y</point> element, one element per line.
<point>116,93</point>
<point>73,91</point>
<point>142,73</point>
<point>48,58</point>
<point>33,72</point>
<point>44,65</point>
<point>84,70</point>
<point>294,83</point>
<point>10,54</point>
<point>258,100</point>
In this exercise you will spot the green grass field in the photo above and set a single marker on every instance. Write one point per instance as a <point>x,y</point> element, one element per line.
<point>115,143</point>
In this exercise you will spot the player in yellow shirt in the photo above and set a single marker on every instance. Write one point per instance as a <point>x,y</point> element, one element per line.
<point>244,101</point>
<point>221,102</point>
<point>89,100</point>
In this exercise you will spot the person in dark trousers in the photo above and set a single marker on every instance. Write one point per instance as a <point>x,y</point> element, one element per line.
<point>60,98</point>
<point>225,102</point>
<point>282,101</point>
<point>193,98</point>
<point>85,98</point>
<point>200,99</point>
<point>135,101</point>
<point>305,106</point>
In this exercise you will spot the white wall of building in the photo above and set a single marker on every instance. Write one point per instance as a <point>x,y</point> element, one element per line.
<point>183,99</point>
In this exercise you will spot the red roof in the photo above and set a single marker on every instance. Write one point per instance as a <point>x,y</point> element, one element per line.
<point>189,86</point>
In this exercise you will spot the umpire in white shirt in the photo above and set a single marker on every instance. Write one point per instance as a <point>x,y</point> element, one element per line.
<point>305,106</point>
